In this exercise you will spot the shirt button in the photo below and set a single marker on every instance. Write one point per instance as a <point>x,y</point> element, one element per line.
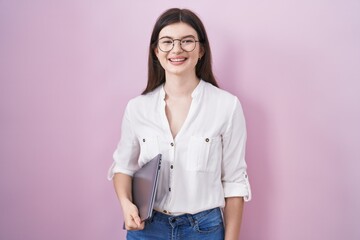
<point>172,166</point>
<point>207,140</point>
<point>172,144</point>
<point>169,189</point>
<point>143,139</point>
<point>166,212</point>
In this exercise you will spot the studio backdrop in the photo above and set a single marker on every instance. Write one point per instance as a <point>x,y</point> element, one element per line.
<point>68,68</point>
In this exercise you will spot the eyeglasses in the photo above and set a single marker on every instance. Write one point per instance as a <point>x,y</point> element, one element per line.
<point>166,44</point>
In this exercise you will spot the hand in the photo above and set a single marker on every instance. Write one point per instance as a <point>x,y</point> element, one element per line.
<point>131,216</point>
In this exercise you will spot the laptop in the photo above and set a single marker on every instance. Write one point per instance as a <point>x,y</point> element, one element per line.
<point>144,186</point>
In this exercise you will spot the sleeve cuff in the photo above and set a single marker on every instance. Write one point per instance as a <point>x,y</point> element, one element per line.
<point>242,189</point>
<point>117,169</point>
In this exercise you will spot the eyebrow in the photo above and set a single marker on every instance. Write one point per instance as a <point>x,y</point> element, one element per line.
<point>180,38</point>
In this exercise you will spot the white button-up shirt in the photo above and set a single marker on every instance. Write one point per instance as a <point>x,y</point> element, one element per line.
<point>203,164</point>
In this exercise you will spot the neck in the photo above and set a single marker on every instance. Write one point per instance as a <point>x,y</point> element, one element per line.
<point>180,86</point>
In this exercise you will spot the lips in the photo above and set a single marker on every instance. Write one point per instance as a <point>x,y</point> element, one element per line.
<point>177,60</point>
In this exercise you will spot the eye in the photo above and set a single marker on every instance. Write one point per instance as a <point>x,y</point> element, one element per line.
<point>188,40</point>
<point>166,41</point>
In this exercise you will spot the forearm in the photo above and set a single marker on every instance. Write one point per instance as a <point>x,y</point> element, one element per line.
<point>122,185</point>
<point>232,216</point>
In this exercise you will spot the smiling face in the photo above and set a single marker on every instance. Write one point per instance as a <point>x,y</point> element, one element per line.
<point>177,61</point>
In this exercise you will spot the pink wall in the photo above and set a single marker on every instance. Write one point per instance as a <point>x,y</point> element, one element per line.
<point>67,69</point>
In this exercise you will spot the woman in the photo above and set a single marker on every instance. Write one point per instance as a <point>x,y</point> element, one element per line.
<point>200,131</point>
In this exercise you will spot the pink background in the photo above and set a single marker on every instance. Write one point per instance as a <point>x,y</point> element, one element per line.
<point>67,69</point>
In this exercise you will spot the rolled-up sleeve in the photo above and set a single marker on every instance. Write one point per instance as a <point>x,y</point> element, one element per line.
<point>128,149</point>
<point>233,174</point>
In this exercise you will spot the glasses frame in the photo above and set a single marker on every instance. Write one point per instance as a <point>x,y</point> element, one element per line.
<point>173,43</point>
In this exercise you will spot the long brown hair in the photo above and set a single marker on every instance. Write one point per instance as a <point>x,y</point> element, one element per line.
<point>156,74</point>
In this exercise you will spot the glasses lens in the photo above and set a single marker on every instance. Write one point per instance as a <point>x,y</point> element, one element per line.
<point>188,44</point>
<point>165,44</point>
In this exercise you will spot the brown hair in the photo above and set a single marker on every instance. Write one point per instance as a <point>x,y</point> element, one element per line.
<point>156,74</point>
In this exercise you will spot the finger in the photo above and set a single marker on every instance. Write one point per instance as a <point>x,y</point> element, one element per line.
<point>142,226</point>
<point>136,227</point>
<point>137,220</point>
<point>130,223</point>
<point>130,226</point>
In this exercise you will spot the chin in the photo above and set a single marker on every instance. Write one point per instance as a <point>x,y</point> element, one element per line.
<point>178,70</point>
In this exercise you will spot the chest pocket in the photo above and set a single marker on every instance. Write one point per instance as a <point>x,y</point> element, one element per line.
<point>204,154</point>
<point>149,148</point>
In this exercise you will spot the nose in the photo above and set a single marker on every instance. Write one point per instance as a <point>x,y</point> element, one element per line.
<point>177,47</point>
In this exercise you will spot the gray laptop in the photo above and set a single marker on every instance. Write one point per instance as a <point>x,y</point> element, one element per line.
<point>144,185</point>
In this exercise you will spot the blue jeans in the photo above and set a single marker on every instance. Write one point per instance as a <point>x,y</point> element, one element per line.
<point>206,225</point>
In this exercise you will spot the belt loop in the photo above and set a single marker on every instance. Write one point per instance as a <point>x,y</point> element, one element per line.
<point>191,220</point>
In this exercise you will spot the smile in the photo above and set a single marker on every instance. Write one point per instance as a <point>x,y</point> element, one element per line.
<point>177,59</point>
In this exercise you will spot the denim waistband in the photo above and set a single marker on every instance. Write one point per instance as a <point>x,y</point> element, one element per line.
<point>184,218</point>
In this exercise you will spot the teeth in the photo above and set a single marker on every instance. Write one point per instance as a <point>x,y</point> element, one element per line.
<point>177,59</point>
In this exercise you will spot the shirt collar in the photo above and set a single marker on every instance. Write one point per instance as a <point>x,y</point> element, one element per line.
<point>162,92</point>
<point>198,89</point>
<point>196,92</point>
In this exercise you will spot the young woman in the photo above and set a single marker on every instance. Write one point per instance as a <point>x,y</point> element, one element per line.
<point>200,131</point>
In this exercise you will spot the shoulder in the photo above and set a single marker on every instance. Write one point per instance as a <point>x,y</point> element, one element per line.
<point>221,101</point>
<point>143,102</point>
<point>144,99</point>
<point>218,94</point>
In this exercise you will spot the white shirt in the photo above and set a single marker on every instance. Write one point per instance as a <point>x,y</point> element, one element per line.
<point>204,164</point>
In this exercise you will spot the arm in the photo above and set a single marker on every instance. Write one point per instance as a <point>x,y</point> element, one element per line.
<point>232,216</point>
<point>122,185</point>
<point>234,176</point>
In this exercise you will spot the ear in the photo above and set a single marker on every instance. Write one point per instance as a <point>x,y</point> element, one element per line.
<point>156,51</point>
<point>201,52</point>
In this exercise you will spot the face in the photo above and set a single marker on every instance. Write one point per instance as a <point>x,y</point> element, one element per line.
<point>177,61</point>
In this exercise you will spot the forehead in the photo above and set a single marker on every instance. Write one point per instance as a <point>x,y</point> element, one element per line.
<point>177,30</point>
